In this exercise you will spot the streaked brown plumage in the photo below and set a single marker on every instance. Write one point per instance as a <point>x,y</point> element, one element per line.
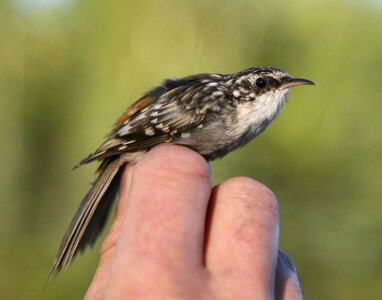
<point>210,113</point>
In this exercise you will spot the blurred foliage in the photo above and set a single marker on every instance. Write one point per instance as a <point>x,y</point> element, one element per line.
<point>68,68</point>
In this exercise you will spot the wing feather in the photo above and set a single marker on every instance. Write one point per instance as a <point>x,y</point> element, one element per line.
<point>162,114</point>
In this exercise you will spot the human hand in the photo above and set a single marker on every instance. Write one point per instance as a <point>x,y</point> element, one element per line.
<point>174,237</point>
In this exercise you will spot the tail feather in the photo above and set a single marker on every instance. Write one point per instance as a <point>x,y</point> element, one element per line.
<point>98,221</point>
<point>90,216</point>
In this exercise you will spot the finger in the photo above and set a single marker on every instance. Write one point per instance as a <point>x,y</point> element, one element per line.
<point>108,246</point>
<point>286,285</point>
<point>242,240</point>
<point>164,226</point>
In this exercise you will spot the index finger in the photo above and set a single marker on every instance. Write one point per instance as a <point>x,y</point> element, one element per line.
<point>166,210</point>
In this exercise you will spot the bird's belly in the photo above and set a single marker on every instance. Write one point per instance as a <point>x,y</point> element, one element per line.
<point>216,141</point>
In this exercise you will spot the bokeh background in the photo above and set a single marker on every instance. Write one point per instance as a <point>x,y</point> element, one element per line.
<point>68,68</point>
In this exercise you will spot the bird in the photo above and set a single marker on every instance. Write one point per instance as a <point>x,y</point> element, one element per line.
<point>212,114</point>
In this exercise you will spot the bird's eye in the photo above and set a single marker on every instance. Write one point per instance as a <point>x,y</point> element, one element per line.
<point>260,83</point>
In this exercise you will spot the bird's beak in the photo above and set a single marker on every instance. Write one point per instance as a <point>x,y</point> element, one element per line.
<point>295,82</point>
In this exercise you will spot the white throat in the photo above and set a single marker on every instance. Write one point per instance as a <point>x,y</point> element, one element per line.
<point>254,116</point>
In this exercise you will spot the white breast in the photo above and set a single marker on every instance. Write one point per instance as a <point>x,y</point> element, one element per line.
<point>254,116</point>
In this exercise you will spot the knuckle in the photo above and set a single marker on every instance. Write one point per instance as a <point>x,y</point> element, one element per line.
<point>108,245</point>
<point>106,251</point>
<point>253,194</point>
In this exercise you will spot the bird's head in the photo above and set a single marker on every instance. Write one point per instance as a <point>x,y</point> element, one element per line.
<point>255,84</point>
<point>260,93</point>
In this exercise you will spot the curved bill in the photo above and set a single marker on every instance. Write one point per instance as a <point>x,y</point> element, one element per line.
<point>295,82</point>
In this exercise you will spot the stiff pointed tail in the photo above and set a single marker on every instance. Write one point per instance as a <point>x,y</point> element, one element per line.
<point>90,217</point>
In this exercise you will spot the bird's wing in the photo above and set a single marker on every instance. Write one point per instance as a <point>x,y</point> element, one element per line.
<point>159,116</point>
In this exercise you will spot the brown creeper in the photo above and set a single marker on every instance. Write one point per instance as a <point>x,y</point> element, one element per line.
<point>210,113</point>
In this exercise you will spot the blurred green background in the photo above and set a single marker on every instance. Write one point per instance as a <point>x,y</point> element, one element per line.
<point>68,68</point>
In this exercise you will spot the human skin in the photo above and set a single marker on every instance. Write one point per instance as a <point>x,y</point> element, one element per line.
<point>176,237</point>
